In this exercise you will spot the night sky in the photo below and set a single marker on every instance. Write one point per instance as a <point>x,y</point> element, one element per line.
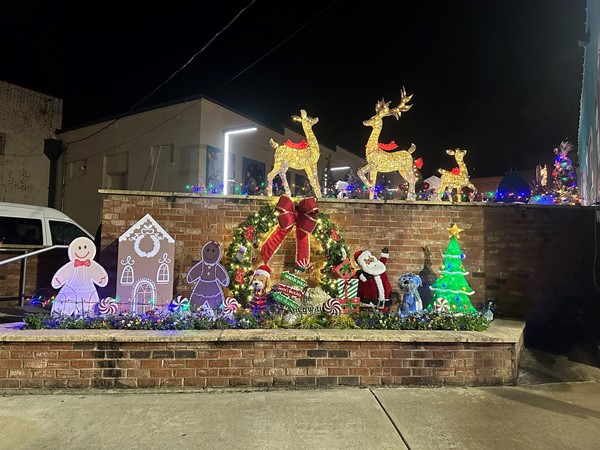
<point>500,78</point>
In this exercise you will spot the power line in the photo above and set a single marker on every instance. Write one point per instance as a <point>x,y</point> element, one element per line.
<point>172,75</point>
<point>281,43</point>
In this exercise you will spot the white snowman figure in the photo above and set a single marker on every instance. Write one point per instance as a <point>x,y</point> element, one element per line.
<point>76,279</point>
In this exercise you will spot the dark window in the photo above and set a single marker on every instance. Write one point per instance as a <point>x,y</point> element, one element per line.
<point>64,232</point>
<point>18,231</point>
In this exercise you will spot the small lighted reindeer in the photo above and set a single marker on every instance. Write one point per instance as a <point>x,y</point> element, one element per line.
<point>380,157</point>
<point>299,156</point>
<point>456,178</point>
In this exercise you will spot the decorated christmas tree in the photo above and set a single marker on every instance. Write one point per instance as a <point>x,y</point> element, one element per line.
<point>451,290</point>
<point>564,186</point>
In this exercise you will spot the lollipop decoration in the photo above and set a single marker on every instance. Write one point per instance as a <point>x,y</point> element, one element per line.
<point>230,305</point>
<point>332,307</point>
<point>108,305</point>
<point>179,304</point>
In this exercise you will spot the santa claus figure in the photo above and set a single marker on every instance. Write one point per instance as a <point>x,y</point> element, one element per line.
<point>373,285</point>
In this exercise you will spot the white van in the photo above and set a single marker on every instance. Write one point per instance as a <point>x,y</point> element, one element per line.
<point>29,225</point>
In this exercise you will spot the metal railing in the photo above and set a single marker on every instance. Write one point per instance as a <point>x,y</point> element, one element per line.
<point>23,272</point>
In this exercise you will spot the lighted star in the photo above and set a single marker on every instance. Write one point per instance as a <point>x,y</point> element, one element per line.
<point>454,230</point>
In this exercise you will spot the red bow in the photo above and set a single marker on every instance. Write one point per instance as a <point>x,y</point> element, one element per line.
<point>79,262</point>
<point>304,217</point>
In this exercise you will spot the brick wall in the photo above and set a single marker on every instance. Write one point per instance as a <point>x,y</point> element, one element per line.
<point>530,259</point>
<point>26,119</point>
<point>233,359</point>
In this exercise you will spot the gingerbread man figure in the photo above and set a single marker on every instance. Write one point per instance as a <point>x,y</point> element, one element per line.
<point>210,277</point>
<point>77,279</point>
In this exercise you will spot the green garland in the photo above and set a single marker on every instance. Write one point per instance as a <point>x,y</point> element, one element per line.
<point>264,221</point>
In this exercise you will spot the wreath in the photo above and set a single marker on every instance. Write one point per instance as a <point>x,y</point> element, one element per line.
<point>264,221</point>
<point>151,253</point>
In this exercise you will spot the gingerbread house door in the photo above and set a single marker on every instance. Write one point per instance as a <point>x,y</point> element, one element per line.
<point>143,296</point>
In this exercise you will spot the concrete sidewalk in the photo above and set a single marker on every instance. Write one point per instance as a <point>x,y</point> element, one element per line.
<point>535,414</point>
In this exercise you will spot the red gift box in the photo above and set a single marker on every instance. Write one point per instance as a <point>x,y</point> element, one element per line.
<point>350,305</point>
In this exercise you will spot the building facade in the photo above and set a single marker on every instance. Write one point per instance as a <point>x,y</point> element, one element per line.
<point>28,122</point>
<point>177,147</point>
<point>589,119</point>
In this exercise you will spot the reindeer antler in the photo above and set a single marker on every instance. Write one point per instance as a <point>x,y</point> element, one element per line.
<point>402,107</point>
<point>382,108</point>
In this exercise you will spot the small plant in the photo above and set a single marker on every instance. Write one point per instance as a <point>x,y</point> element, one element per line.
<point>247,319</point>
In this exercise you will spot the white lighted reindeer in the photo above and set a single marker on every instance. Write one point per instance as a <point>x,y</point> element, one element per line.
<point>303,156</point>
<point>380,159</point>
<point>456,178</point>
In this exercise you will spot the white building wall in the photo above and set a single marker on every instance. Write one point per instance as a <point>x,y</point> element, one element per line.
<point>121,155</point>
<point>27,118</point>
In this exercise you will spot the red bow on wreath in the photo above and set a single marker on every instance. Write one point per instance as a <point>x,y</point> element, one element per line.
<point>304,217</point>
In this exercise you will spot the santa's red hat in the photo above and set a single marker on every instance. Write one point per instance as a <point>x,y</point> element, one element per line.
<point>360,256</point>
<point>263,270</point>
<point>357,255</point>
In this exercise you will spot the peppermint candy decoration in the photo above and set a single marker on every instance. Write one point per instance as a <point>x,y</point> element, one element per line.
<point>179,304</point>
<point>441,305</point>
<point>108,305</point>
<point>332,307</point>
<point>230,305</point>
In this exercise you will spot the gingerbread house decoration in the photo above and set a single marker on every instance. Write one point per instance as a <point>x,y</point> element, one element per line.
<point>145,267</point>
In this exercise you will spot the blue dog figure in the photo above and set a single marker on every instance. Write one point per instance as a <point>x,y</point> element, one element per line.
<point>411,300</point>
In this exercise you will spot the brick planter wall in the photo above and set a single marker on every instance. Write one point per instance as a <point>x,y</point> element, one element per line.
<point>51,359</point>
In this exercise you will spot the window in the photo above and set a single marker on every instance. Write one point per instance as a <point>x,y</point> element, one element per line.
<point>64,232</point>
<point>127,275</point>
<point>162,275</point>
<point>15,230</point>
<point>163,155</point>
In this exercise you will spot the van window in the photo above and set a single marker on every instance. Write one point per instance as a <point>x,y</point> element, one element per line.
<point>20,231</point>
<point>64,232</point>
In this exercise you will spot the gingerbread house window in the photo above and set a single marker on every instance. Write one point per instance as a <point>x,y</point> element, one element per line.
<point>162,275</point>
<point>127,276</point>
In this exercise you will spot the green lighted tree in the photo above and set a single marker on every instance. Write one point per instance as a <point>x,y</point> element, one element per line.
<point>451,290</point>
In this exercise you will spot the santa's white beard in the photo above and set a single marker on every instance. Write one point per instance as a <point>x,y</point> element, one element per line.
<point>376,267</point>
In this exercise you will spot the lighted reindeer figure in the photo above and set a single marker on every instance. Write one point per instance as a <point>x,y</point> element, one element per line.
<point>456,178</point>
<point>380,157</point>
<point>301,156</point>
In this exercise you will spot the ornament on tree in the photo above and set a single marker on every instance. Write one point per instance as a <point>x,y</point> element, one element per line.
<point>451,290</point>
<point>240,253</point>
<point>299,157</point>
<point>379,159</point>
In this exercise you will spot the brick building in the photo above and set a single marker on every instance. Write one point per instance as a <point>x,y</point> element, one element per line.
<point>27,119</point>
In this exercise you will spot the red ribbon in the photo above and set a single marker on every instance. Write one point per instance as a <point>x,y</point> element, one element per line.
<point>304,217</point>
<point>79,262</point>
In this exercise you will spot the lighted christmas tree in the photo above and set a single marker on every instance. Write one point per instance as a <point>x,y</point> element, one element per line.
<point>564,186</point>
<point>451,290</point>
